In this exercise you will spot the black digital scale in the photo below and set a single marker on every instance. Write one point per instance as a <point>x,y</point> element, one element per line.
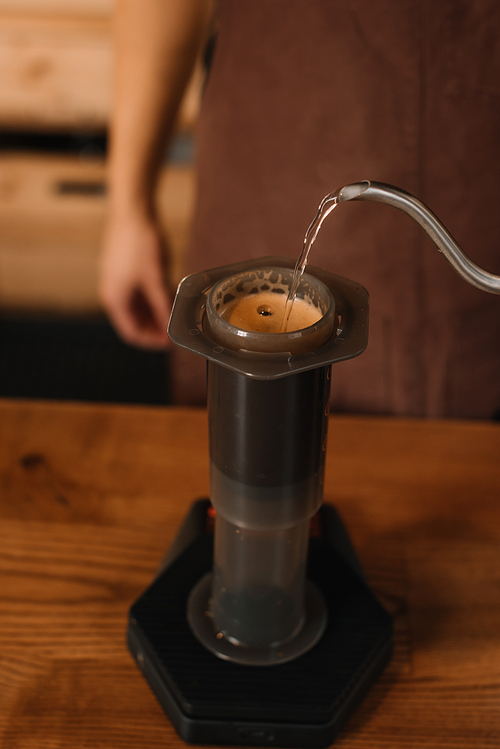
<point>302,703</point>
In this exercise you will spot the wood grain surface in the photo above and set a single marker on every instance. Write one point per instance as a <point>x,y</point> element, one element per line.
<point>56,67</point>
<point>71,8</point>
<point>91,497</point>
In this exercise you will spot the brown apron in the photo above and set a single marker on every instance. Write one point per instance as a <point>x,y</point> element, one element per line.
<point>305,96</point>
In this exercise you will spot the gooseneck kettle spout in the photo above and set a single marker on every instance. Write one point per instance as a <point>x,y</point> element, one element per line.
<point>379,192</point>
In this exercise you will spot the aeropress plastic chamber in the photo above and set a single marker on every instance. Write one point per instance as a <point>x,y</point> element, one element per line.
<point>267,455</point>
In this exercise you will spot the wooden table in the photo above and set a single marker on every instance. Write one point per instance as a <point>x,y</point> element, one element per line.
<point>91,497</point>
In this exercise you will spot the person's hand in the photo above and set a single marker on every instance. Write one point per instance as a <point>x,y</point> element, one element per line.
<point>132,284</point>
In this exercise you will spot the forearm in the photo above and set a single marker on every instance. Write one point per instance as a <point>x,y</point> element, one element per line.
<point>156,45</point>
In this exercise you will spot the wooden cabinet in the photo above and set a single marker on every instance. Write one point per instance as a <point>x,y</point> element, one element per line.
<point>55,75</point>
<point>55,72</point>
<point>67,8</point>
<point>52,212</point>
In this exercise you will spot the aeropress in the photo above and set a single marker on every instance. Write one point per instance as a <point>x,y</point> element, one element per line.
<point>260,628</point>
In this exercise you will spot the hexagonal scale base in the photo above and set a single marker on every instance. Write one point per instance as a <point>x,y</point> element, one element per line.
<point>302,703</point>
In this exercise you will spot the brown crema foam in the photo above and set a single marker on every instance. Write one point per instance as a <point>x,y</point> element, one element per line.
<point>264,313</point>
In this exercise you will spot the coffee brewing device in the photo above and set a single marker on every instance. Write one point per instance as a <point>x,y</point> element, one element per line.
<point>260,628</point>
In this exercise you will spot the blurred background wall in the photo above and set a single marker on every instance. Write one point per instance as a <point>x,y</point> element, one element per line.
<point>56,60</point>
